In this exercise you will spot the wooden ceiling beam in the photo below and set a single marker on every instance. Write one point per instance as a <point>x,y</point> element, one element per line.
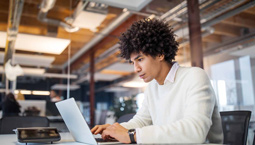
<point>75,37</point>
<point>250,11</point>
<point>241,20</point>
<point>115,72</point>
<point>204,45</point>
<point>227,30</point>
<point>212,38</point>
<point>107,62</point>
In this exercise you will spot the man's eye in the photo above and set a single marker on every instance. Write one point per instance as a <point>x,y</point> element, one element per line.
<point>140,59</point>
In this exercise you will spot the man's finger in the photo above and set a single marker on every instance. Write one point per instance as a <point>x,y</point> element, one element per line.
<point>99,130</point>
<point>94,129</point>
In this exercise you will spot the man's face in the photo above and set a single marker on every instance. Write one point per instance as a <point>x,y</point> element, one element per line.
<point>147,67</point>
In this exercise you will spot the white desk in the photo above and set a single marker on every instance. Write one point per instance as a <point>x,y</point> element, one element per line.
<point>11,139</point>
<point>66,139</point>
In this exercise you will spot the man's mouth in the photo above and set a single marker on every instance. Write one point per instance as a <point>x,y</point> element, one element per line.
<point>142,76</point>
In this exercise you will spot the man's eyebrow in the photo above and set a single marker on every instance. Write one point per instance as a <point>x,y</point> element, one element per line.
<point>137,56</point>
<point>130,61</point>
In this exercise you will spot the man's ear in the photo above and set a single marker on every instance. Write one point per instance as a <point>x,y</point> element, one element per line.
<point>161,57</point>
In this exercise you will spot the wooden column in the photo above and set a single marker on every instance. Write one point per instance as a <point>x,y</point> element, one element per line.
<point>195,33</point>
<point>92,89</point>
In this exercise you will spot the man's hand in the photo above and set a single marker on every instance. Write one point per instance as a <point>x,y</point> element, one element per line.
<point>116,131</point>
<point>98,129</point>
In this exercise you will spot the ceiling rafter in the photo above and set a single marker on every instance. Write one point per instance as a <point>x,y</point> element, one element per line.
<point>241,20</point>
<point>227,30</point>
<point>212,38</point>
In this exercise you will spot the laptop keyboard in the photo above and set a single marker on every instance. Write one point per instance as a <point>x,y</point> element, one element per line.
<point>101,140</point>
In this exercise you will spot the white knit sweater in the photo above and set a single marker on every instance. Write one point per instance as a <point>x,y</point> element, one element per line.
<point>184,111</point>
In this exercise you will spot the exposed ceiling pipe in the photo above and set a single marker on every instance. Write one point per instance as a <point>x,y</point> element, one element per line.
<point>230,44</point>
<point>45,6</point>
<point>216,12</point>
<point>173,10</point>
<point>208,31</point>
<point>124,16</point>
<point>15,11</point>
<point>180,9</point>
<point>229,14</point>
<point>183,32</point>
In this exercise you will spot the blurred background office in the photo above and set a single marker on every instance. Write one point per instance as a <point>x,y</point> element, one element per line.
<point>52,50</point>
<point>10,106</point>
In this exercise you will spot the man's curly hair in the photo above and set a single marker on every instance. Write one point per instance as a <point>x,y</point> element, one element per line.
<point>151,37</point>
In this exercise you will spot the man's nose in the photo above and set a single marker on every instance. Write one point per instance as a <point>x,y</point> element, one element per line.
<point>137,68</point>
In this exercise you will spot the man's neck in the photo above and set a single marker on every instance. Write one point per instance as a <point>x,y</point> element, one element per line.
<point>166,67</point>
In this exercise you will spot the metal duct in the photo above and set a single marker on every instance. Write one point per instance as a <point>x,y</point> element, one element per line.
<point>230,44</point>
<point>15,11</point>
<point>207,21</point>
<point>45,6</point>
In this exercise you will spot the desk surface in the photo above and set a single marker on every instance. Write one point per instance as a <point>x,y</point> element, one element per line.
<point>66,139</point>
<point>11,139</point>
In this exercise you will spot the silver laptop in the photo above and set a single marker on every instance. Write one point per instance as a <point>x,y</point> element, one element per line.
<point>75,122</point>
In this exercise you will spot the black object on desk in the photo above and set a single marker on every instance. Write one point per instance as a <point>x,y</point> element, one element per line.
<point>51,109</point>
<point>37,134</point>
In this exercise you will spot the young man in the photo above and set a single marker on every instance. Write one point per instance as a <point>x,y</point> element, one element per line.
<point>179,106</point>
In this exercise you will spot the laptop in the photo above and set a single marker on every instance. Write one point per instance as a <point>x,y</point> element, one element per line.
<point>76,124</point>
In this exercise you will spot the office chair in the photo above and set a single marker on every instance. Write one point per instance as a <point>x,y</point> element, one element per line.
<point>9,123</point>
<point>235,126</point>
<point>126,117</point>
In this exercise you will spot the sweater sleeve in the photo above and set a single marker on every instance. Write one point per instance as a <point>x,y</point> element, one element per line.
<point>142,117</point>
<point>196,122</point>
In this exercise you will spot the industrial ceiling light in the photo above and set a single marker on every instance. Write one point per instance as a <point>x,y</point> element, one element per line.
<point>43,93</point>
<point>24,92</point>
<point>29,71</point>
<point>64,87</point>
<point>28,92</point>
<point>30,60</point>
<point>36,43</point>
<point>89,15</point>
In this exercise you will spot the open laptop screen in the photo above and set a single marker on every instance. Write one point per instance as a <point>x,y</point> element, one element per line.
<point>75,121</point>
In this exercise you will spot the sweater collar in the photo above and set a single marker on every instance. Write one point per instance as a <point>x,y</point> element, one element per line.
<point>171,75</point>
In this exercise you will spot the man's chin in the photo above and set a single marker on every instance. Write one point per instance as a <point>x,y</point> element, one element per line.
<point>147,80</point>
